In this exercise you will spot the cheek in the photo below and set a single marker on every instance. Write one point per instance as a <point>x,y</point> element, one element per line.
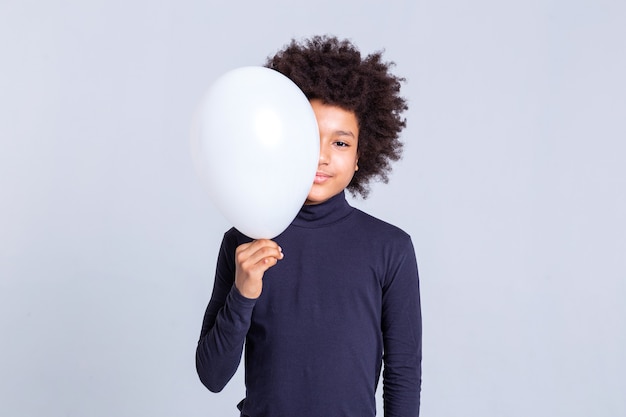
<point>350,167</point>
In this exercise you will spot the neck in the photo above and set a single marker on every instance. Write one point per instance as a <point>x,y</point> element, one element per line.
<point>321,214</point>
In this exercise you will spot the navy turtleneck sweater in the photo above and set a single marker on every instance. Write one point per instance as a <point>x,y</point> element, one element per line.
<point>343,300</point>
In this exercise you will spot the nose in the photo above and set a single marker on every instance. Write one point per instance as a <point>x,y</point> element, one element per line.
<point>324,153</point>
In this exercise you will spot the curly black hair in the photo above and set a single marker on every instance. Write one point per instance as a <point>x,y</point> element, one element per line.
<point>333,71</point>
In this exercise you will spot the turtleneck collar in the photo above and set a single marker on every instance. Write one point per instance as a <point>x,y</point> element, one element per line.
<point>323,214</point>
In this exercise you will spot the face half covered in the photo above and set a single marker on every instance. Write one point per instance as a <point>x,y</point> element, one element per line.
<point>339,138</point>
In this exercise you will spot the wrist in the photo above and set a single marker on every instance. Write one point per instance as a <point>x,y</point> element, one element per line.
<point>249,291</point>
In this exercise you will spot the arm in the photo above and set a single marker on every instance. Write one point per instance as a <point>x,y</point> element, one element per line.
<point>238,283</point>
<point>402,335</point>
<point>225,325</point>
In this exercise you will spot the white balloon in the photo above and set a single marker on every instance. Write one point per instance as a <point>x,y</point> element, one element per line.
<point>255,144</point>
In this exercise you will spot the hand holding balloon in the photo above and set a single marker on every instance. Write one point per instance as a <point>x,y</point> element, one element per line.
<point>251,261</point>
<point>255,144</point>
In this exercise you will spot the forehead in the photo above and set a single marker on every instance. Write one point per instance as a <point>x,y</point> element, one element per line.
<point>334,118</point>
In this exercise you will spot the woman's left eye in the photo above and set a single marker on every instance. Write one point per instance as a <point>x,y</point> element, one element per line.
<point>340,143</point>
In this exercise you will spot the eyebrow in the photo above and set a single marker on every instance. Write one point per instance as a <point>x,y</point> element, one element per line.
<point>343,133</point>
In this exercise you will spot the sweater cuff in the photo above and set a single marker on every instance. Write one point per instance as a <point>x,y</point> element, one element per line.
<point>241,301</point>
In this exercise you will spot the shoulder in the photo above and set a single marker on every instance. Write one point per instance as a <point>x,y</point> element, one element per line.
<point>376,227</point>
<point>381,236</point>
<point>233,238</point>
<point>388,247</point>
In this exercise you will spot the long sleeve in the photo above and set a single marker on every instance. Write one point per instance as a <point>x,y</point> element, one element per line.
<point>344,299</point>
<point>225,325</point>
<point>402,335</point>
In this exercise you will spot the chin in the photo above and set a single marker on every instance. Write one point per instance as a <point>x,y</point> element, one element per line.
<point>315,199</point>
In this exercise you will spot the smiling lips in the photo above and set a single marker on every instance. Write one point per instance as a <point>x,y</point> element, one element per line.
<point>321,177</point>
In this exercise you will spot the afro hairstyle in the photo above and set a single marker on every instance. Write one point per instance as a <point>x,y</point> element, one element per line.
<point>333,71</point>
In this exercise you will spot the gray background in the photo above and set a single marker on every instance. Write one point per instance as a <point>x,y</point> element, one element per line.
<point>512,187</point>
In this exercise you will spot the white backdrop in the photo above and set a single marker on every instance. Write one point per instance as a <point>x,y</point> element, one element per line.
<point>512,187</point>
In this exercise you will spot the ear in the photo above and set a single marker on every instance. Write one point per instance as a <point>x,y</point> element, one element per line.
<point>356,165</point>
